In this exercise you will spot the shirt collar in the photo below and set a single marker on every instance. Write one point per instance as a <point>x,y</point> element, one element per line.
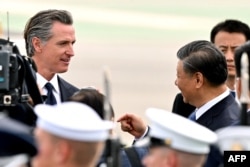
<point>200,111</point>
<point>41,81</point>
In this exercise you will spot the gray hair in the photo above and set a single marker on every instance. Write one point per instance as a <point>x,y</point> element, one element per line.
<point>40,26</point>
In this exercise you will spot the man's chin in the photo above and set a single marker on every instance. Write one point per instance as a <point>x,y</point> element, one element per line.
<point>184,100</point>
<point>231,74</point>
<point>62,71</point>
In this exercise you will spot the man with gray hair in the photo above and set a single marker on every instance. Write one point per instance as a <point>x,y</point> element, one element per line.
<point>49,38</point>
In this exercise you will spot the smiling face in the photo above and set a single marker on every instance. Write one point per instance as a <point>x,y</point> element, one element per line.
<point>53,56</point>
<point>186,83</point>
<point>227,43</point>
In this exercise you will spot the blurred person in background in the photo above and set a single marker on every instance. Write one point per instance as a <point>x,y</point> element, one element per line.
<point>70,134</point>
<point>176,145</point>
<point>236,138</point>
<point>93,98</point>
<point>242,61</point>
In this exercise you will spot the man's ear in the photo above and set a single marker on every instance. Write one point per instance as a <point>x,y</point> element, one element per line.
<point>172,159</point>
<point>199,79</point>
<point>62,152</point>
<point>37,44</point>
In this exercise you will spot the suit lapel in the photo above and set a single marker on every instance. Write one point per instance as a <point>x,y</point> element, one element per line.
<point>66,89</point>
<point>208,118</point>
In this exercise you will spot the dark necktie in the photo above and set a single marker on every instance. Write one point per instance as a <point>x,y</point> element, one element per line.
<point>192,116</point>
<point>233,93</point>
<point>50,96</point>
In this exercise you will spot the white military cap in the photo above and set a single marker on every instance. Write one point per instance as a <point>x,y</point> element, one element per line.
<point>179,133</point>
<point>233,138</point>
<point>72,120</point>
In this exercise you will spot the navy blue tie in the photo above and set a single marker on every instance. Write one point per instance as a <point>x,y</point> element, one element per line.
<point>192,116</point>
<point>233,93</point>
<point>50,96</point>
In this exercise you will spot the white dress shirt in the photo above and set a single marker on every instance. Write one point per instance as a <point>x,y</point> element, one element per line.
<point>41,81</point>
<point>200,111</point>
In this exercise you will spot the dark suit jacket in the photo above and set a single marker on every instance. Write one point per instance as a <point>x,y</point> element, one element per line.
<point>141,152</point>
<point>224,113</point>
<point>181,108</point>
<point>66,89</point>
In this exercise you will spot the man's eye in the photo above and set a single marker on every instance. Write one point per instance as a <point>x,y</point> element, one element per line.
<point>223,50</point>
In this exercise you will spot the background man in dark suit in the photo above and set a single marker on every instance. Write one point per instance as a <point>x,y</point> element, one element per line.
<point>236,138</point>
<point>49,37</point>
<point>227,36</point>
<point>242,61</point>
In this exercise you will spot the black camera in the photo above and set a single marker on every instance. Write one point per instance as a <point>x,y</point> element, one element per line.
<point>18,88</point>
<point>9,79</point>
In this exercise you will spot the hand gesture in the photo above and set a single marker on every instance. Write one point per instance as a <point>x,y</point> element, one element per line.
<point>133,124</point>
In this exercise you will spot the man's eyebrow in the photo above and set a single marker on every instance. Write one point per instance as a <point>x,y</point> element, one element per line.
<point>223,46</point>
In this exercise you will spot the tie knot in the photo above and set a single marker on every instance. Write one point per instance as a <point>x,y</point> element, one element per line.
<point>193,116</point>
<point>49,86</point>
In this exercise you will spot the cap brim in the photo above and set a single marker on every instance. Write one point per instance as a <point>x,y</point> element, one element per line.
<point>73,120</point>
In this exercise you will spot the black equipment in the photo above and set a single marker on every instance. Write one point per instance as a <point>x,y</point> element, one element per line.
<point>17,83</point>
<point>113,144</point>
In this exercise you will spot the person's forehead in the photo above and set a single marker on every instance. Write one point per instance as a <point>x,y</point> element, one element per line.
<point>232,39</point>
<point>179,67</point>
<point>63,32</point>
<point>180,64</point>
<point>61,27</point>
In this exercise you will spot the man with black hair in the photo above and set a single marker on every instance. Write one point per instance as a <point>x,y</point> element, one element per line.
<point>236,138</point>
